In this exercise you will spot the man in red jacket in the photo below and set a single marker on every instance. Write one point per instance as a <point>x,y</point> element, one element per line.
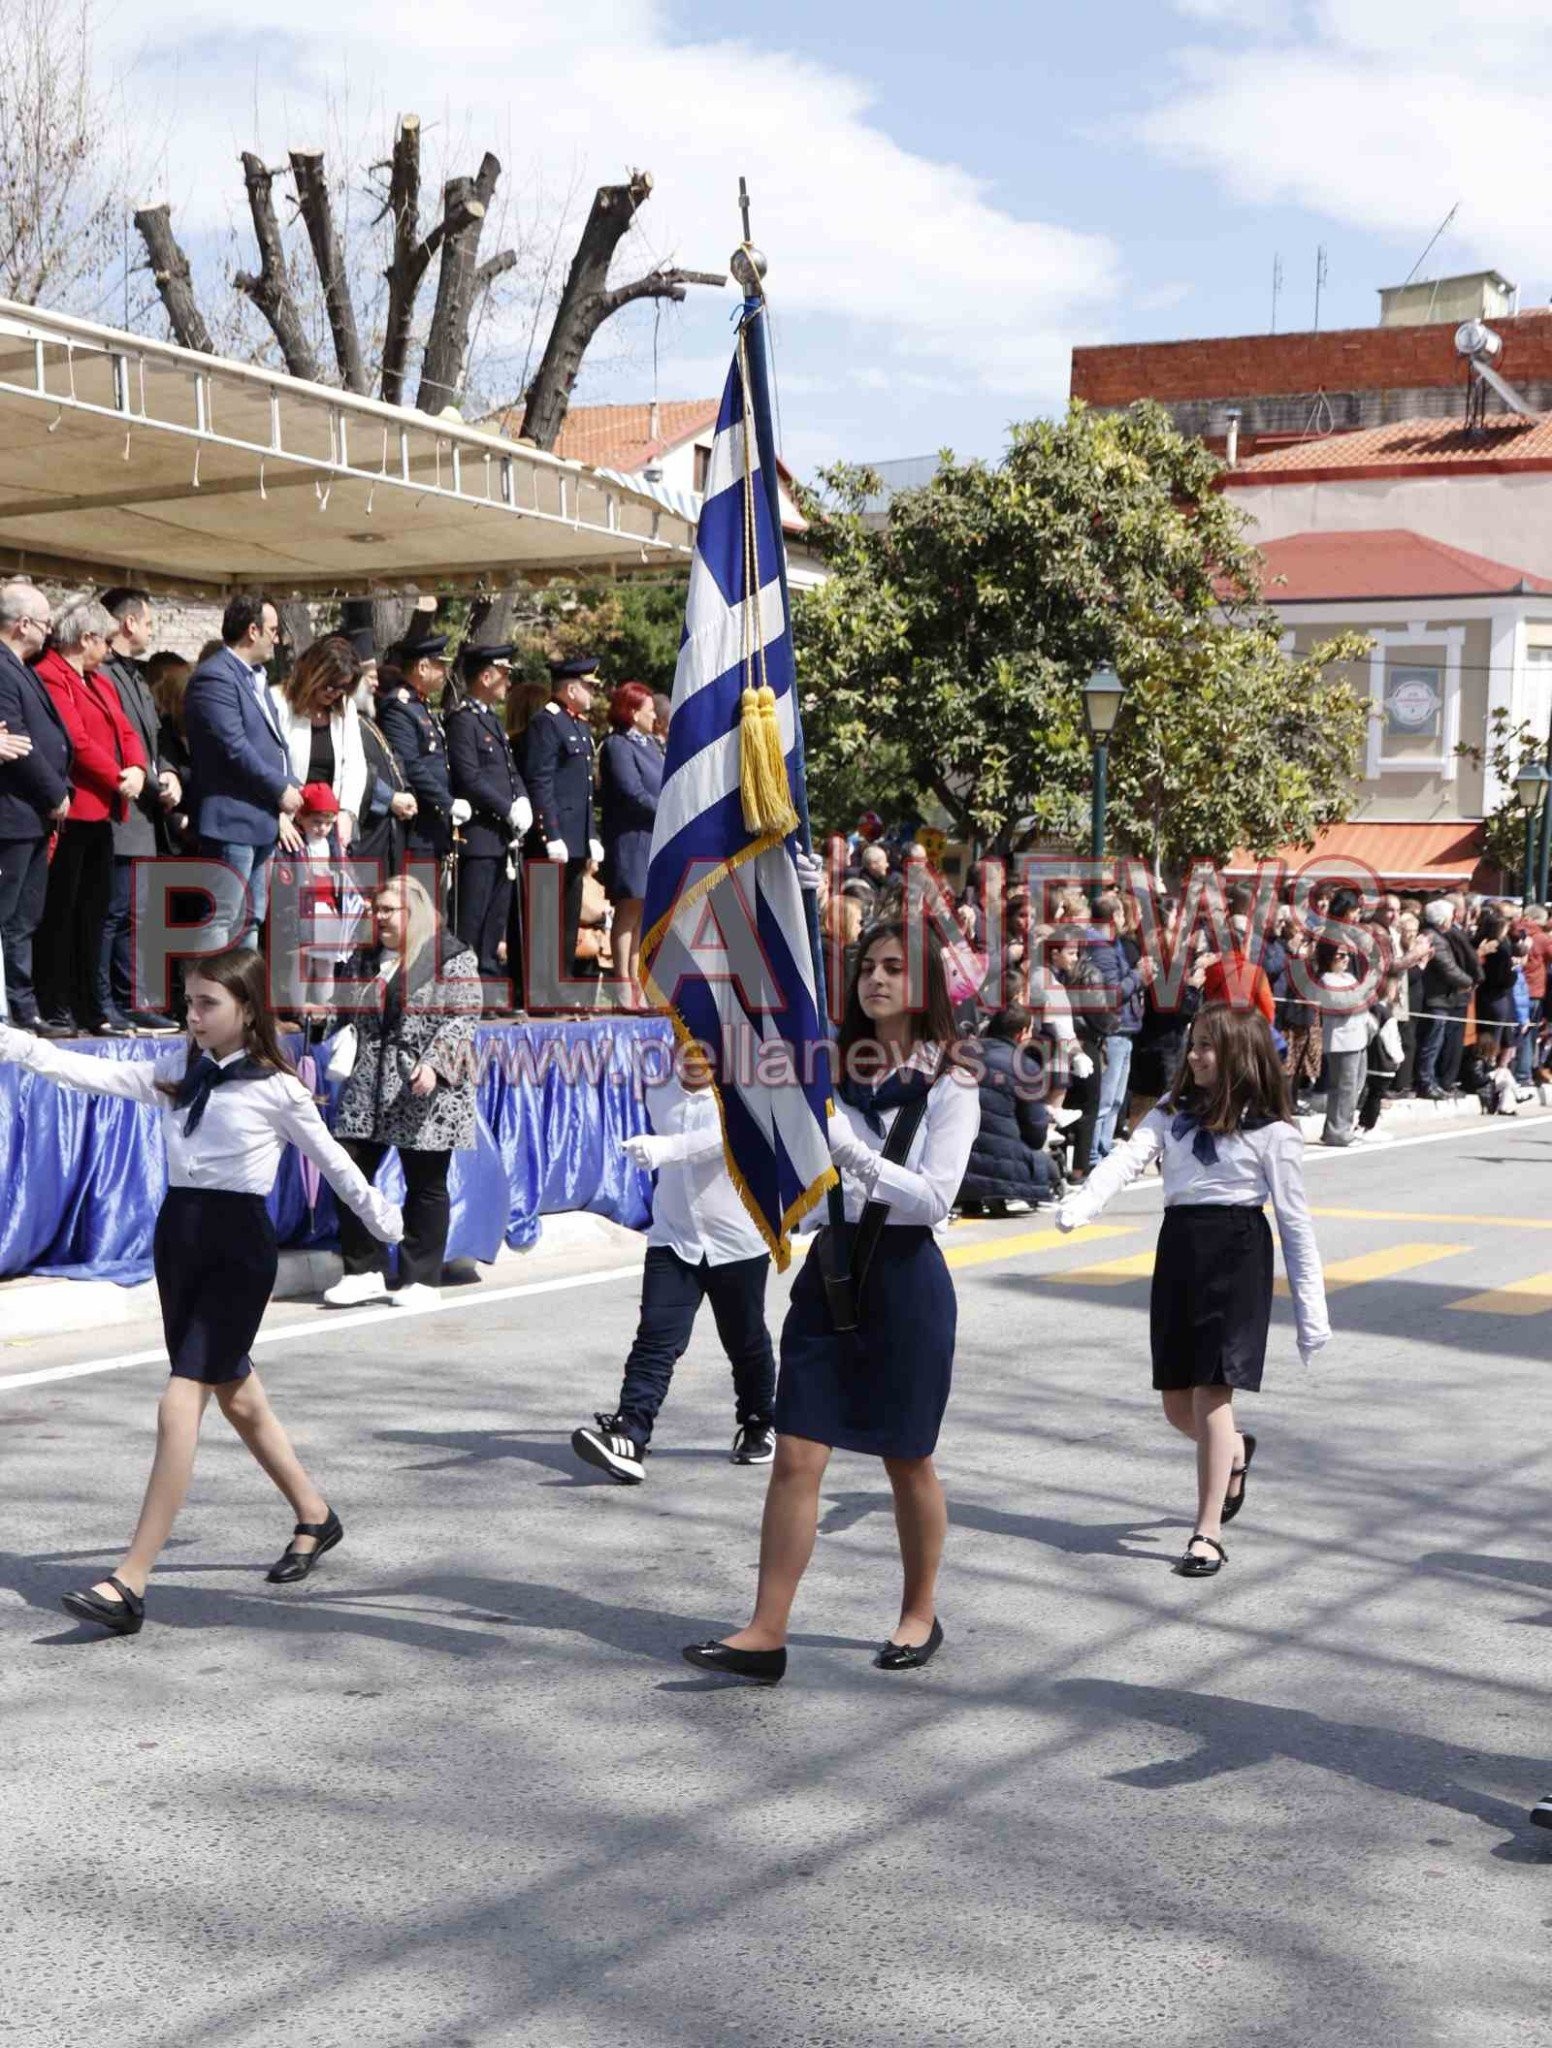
<point>107,773</point>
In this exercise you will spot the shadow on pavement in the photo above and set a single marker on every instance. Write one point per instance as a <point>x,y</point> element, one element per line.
<point>1236,1735</point>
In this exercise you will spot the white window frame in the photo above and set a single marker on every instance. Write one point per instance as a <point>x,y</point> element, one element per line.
<point>1417,634</point>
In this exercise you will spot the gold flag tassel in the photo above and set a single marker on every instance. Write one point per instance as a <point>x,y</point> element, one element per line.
<point>762,771</point>
<point>762,767</point>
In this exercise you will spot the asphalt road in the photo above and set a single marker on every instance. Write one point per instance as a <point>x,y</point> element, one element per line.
<point>459,1789</point>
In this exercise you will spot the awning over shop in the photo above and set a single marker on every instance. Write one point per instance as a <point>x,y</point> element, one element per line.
<point>129,460</point>
<point>1419,856</point>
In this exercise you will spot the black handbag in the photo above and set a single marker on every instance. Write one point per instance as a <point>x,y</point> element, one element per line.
<point>843,1283</point>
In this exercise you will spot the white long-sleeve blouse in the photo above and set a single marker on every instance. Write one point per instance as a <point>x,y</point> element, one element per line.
<point>238,1143</point>
<point>922,1187</point>
<point>1251,1167</point>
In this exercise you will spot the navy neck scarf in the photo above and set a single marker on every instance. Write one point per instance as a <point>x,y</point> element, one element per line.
<point>202,1077</point>
<point>1188,1119</point>
<point>893,1092</point>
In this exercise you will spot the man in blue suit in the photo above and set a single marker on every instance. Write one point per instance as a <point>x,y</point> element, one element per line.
<point>245,798</point>
<point>34,791</point>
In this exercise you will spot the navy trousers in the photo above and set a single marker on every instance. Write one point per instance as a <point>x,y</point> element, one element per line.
<point>484,905</point>
<point>672,1291</point>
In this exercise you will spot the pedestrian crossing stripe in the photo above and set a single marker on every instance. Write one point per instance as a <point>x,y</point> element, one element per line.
<point>1381,1265</point>
<point>1033,1241</point>
<point>1532,1297</point>
<point>1435,1216</point>
<point>1111,1273</point>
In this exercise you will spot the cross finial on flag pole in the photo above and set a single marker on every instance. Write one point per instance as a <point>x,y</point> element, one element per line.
<point>747,263</point>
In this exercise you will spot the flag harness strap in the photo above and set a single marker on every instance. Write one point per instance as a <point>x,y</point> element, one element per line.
<point>843,1289</point>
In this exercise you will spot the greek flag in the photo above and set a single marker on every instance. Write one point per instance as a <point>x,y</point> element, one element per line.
<point>727,949</point>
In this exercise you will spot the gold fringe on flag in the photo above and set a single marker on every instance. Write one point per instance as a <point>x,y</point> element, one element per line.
<point>762,771</point>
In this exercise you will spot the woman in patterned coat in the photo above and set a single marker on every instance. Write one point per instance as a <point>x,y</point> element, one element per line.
<point>411,1088</point>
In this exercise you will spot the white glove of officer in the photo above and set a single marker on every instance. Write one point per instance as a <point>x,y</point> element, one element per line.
<point>462,810</point>
<point>1082,1066</point>
<point>810,869</point>
<point>520,817</point>
<point>555,849</point>
<point>647,1151</point>
<point>595,850</point>
<point>850,1154</point>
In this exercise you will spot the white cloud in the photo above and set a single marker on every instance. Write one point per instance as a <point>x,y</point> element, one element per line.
<point>908,259</point>
<point>1383,115</point>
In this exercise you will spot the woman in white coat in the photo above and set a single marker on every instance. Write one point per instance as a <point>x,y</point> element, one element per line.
<point>322,729</point>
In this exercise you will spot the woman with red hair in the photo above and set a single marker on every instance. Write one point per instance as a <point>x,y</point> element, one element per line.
<point>630,779</point>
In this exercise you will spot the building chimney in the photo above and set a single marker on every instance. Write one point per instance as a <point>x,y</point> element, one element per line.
<point>1231,450</point>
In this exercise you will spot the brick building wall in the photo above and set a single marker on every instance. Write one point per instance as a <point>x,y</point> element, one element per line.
<point>1288,386</point>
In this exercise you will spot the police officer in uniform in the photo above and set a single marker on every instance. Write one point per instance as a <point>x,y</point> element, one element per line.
<point>414,731</point>
<point>483,772</point>
<point>558,768</point>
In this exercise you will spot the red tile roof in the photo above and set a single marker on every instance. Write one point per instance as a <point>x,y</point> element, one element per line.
<point>620,436</point>
<point>1431,854</point>
<point>1306,568</point>
<point>1405,447</point>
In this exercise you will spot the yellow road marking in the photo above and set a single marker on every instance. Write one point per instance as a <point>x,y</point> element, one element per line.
<point>1113,1273</point>
<point>1532,1297</point>
<point>1030,1241</point>
<point>1381,1265</point>
<point>1433,1216</point>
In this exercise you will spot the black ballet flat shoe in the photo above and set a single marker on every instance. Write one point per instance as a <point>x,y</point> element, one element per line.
<point>294,1564</point>
<point>1193,1567</point>
<point>910,1656</point>
<point>764,1667</point>
<point>1235,1501</point>
<point>122,1617</point>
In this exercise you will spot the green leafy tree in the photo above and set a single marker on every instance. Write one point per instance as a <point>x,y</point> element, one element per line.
<point>1509,746</point>
<point>948,651</point>
<point>633,628</point>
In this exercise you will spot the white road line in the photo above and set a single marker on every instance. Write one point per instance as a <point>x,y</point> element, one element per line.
<point>336,1323</point>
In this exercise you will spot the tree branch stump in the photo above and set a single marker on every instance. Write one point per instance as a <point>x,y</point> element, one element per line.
<point>174,280</point>
<point>312,198</point>
<point>270,291</point>
<point>464,205</point>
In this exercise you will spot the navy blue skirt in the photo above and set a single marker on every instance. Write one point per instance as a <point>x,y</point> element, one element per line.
<point>626,860</point>
<point>881,1388</point>
<point>1211,1305</point>
<point>216,1262</point>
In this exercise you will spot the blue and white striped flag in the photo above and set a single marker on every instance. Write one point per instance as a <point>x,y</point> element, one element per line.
<point>726,946</point>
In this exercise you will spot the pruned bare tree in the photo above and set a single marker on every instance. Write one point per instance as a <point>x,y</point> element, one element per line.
<point>588,301</point>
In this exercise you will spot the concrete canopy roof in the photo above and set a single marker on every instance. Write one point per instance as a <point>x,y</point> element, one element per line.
<point>124,459</point>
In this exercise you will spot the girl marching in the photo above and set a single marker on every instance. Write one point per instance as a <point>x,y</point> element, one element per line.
<point>229,1104</point>
<point>867,1351</point>
<point>1229,1144</point>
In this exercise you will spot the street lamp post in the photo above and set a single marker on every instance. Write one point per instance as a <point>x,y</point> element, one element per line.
<point>1530,787</point>
<point>1102,695</point>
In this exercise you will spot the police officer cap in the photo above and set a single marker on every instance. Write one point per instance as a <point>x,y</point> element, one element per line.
<point>472,659</point>
<point>574,668</point>
<point>423,646</point>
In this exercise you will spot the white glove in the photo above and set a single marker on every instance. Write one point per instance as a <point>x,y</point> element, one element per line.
<point>1069,1217</point>
<point>462,810</point>
<point>850,1154</point>
<point>1082,1066</point>
<point>555,849</point>
<point>387,1220</point>
<point>520,817</point>
<point>1307,1351</point>
<point>642,1149</point>
<point>810,869</point>
<point>14,1043</point>
<point>595,850</point>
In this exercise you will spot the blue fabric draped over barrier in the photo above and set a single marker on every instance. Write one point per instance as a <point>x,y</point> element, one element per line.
<point>82,1176</point>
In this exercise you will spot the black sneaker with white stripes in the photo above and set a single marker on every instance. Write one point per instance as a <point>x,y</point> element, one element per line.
<point>611,1450</point>
<point>755,1444</point>
<point>1541,1812</point>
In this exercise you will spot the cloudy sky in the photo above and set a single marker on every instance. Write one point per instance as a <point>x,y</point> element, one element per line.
<point>951,196</point>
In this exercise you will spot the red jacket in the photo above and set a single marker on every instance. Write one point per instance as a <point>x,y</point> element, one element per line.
<point>1232,979</point>
<point>104,740</point>
<point>1537,960</point>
